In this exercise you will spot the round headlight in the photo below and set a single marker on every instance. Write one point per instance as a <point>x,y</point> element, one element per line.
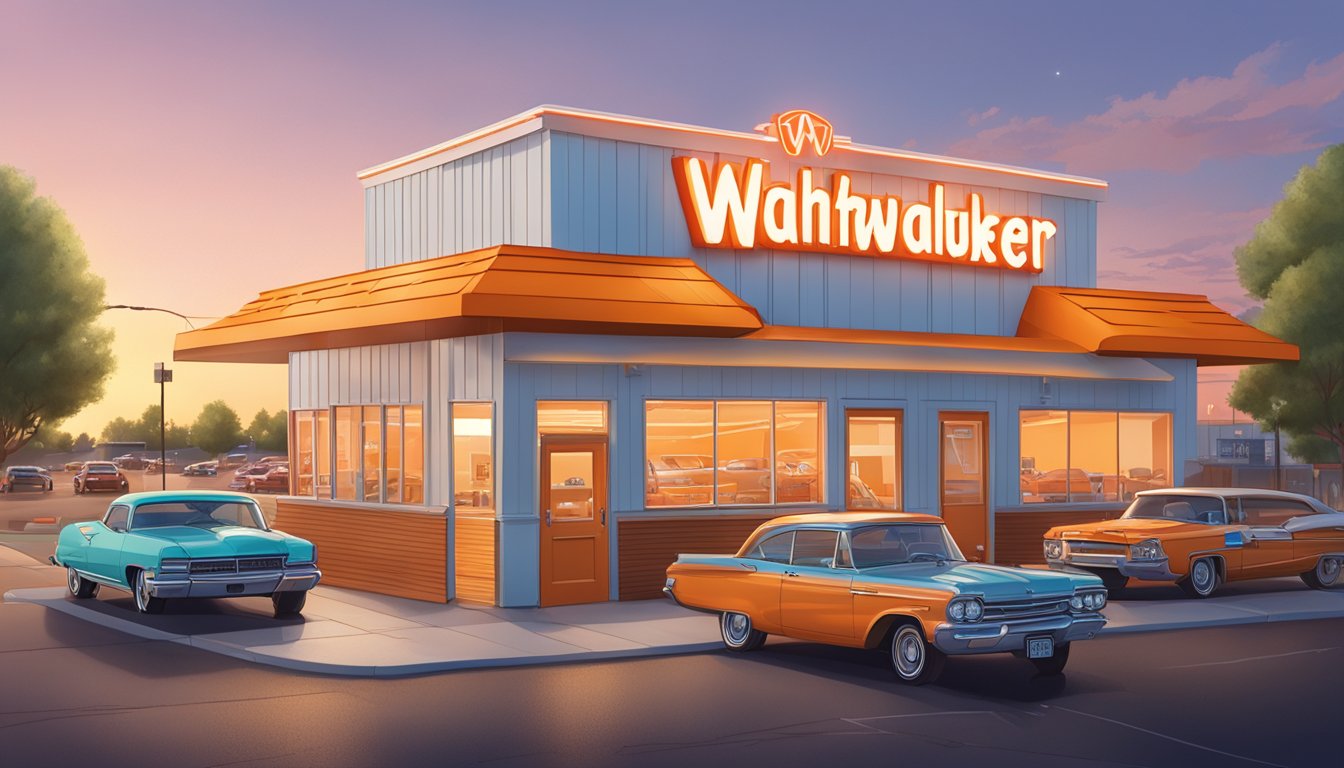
<point>957,611</point>
<point>974,610</point>
<point>1090,601</point>
<point>1076,602</point>
<point>1101,600</point>
<point>1053,549</point>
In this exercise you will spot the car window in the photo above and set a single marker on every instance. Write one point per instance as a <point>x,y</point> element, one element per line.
<point>815,548</point>
<point>116,517</point>
<point>1271,512</point>
<point>777,548</point>
<point>879,545</point>
<point>202,514</point>
<point>1183,508</point>
<point>842,558</point>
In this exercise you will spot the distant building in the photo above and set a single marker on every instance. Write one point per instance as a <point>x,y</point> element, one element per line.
<point>1238,442</point>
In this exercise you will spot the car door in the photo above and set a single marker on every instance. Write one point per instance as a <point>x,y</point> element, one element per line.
<point>1269,547</point>
<point>815,601</point>
<point>105,543</point>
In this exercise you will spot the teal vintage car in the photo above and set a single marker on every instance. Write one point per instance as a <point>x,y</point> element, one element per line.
<point>169,544</point>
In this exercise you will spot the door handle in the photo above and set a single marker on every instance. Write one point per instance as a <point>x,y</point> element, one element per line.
<point>790,573</point>
<point>748,566</point>
<point>548,517</point>
<point>604,515</point>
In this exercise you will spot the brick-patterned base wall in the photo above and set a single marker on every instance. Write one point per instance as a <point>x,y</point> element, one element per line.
<point>1018,535</point>
<point>647,547</point>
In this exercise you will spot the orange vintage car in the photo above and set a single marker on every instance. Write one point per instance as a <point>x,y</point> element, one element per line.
<point>1202,537</point>
<point>887,580</point>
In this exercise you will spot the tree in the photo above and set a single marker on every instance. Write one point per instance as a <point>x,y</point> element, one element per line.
<point>121,430</point>
<point>270,431</point>
<point>82,443</point>
<point>217,429</point>
<point>53,359</point>
<point>1295,264</point>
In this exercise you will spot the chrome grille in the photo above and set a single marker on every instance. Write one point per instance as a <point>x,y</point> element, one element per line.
<point>1026,609</point>
<point>1096,548</point>
<point>214,566</point>
<point>260,563</point>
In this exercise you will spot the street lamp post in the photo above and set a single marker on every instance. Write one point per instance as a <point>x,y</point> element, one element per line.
<point>1275,406</point>
<point>161,377</point>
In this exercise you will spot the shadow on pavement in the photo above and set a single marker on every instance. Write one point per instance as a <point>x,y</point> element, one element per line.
<point>192,617</point>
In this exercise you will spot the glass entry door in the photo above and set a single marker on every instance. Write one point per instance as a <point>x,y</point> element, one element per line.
<point>963,438</point>
<point>574,564</point>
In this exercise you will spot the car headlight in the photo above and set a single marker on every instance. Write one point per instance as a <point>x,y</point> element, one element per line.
<point>174,565</point>
<point>1054,549</point>
<point>964,609</point>
<point>1093,600</point>
<point>1148,549</point>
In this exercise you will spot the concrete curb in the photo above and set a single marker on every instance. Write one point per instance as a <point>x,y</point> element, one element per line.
<point>55,598</point>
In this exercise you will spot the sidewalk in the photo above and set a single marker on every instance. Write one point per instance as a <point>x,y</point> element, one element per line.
<point>351,633</point>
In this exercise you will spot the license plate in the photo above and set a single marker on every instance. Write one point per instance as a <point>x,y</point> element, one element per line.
<point>1040,647</point>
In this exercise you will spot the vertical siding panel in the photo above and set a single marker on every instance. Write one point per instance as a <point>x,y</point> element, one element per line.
<point>539,190</point>
<point>433,206</point>
<point>628,236</point>
<point>607,196</point>
<point>370,227</point>
<point>591,207</point>
<point>559,154</point>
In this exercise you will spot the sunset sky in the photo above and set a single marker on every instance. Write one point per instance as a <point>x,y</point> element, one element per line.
<point>206,152</point>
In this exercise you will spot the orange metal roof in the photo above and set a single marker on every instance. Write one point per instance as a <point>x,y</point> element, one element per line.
<point>1145,324</point>
<point>914,339</point>
<point>504,288</point>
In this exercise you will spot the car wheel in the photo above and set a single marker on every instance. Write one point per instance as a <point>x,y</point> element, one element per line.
<point>80,587</point>
<point>1203,578</point>
<point>915,661</point>
<point>1324,575</point>
<point>144,602</point>
<point>1055,664</point>
<point>50,487</point>
<point>738,632</point>
<point>288,603</point>
<point>251,487</point>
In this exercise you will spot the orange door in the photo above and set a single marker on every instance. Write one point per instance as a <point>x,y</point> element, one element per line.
<point>574,566</point>
<point>963,445</point>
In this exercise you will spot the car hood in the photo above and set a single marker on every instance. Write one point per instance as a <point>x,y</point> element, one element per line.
<point>226,541</point>
<point>991,582</point>
<point>1129,531</point>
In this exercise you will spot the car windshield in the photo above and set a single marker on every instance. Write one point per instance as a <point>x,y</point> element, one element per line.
<point>102,469</point>
<point>202,514</point>
<point>877,545</point>
<point>1183,508</point>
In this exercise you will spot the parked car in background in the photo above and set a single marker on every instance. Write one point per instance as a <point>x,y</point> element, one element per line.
<point>264,461</point>
<point>1203,537</point>
<point>129,461</point>
<point>17,477</point>
<point>887,580</point>
<point>172,544</point>
<point>73,466</point>
<point>100,476</point>
<point>202,469</point>
<point>248,476</point>
<point>275,480</point>
<point>233,460</point>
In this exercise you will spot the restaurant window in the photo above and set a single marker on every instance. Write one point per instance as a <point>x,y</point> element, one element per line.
<point>571,417</point>
<point>873,459</point>
<point>379,454</point>
<point>346,421</point>
<point>733,452</point>
<point>473,457</point>
<point>1092,456</point>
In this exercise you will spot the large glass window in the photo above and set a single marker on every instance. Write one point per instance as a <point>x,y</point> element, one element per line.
<point>873,459</point>
<point>473,457</point>
<point>1089,456</point>
<point>734,452</point>
<point>379,453</point>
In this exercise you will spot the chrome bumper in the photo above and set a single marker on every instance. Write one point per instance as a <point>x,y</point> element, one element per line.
<point>998,637</point>
<point>176,585</point>
<point>673,597</point>
<point>1146,570</point>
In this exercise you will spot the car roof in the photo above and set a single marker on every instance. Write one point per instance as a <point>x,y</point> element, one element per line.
<point>1231,493</point>
<point>146,497</point>
<point>852,519</point>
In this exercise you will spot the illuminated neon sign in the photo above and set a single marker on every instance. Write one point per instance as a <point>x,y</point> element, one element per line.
<point>737,206</point>
<point>797,128</point>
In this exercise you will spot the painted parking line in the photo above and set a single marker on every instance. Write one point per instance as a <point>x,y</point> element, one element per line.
<point>1254,658</point>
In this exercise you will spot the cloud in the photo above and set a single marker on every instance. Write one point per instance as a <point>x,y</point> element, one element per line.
<point>1198,119</point>
<point>980,117</point>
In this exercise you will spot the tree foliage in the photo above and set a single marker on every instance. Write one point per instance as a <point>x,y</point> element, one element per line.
<point>145,430</point>
<point>53,359</point>
<point>270,431</point>
<point>217,429</point>
<point>1295,263</point>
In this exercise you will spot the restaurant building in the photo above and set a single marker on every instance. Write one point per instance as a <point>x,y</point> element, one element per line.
<point>583,343</point>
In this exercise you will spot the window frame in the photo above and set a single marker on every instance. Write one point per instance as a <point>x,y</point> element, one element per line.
<point>309,417</point>
<point>898,414</point>
<point>823,469</point>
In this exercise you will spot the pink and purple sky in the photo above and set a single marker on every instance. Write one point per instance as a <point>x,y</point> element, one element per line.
<point>207,151</point>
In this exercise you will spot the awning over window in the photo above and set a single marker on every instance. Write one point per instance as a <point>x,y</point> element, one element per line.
<point>1144,324</point>
<point>505,288</point>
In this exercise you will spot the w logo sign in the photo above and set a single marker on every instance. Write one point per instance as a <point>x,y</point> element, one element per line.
<point>797,128</point>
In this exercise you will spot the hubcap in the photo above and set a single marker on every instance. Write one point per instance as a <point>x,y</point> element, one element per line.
<point>72,580</point>
<point>909,653</point>
<point>1203,575</point>
<point>1329,570</point>
<point>738,626</point>
<point>141,591</point>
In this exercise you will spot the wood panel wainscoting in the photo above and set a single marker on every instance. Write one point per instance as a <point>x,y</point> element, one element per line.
<point>647,547</point>
<point>1018,534</point>
<point>474,549</point>
<point>374,549</point>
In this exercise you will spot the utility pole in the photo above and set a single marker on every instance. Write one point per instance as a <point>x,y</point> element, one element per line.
<point>161,377</point>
